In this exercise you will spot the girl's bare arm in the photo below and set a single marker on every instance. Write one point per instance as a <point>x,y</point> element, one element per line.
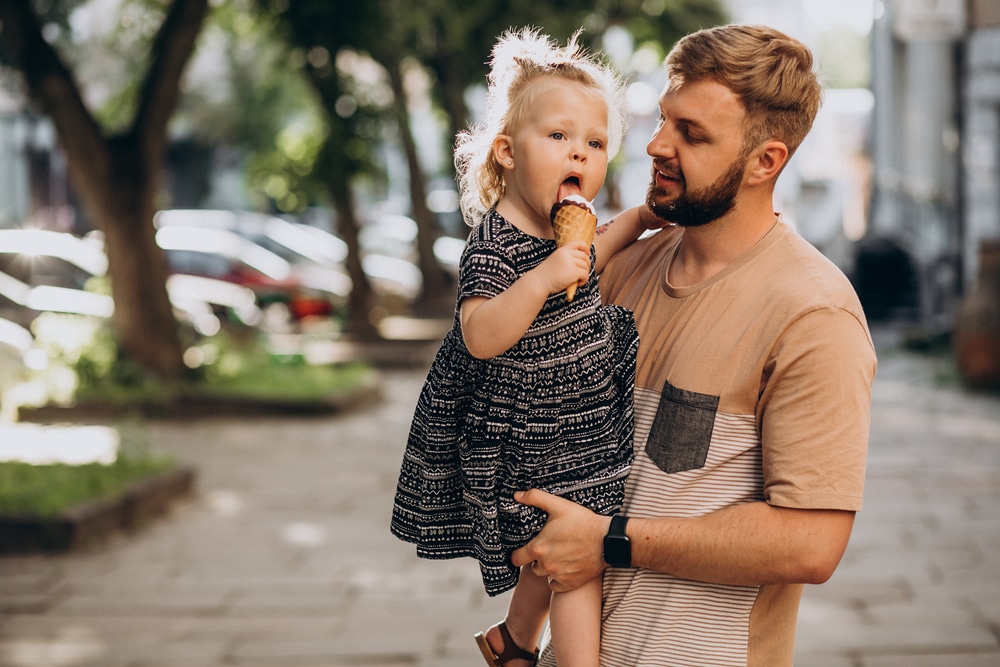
<point>491,326</point>
<point>620,231</point>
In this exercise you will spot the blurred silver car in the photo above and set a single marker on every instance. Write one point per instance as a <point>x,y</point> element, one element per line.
<point>386,245</point>
<point>48,271</point>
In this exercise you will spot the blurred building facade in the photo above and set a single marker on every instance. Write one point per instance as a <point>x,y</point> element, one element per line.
<point>935,148</point>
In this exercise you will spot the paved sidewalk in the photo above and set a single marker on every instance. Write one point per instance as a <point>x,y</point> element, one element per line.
<point>283,559</point>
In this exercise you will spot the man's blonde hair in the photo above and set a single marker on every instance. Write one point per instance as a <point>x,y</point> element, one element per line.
<point>771,73</point>
<point>520,59</point>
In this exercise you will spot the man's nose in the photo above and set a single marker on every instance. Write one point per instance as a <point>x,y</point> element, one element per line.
<point>662,143</point>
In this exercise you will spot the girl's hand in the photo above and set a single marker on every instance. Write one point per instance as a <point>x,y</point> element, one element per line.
<point>567,265</point>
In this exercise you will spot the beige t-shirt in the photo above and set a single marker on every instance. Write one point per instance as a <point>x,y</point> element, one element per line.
<point>754,385</point>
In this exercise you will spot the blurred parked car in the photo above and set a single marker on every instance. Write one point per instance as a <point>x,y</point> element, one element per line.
<point>318,255</point>
<point>290,295</point>
<point>48,271</point>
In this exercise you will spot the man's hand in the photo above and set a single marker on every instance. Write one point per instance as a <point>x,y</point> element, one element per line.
<point>569,549</point>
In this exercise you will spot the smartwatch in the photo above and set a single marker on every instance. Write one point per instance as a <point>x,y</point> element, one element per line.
<point>617,547</point>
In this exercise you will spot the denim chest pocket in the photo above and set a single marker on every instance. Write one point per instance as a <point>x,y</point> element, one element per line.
<point>682,429</point>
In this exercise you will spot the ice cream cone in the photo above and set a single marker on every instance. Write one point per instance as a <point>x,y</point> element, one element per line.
<point>573,219</point>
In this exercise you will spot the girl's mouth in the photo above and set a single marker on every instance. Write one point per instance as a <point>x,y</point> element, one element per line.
<point>571,186</point>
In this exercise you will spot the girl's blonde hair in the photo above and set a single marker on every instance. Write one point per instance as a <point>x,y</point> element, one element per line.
<point>519,59</point>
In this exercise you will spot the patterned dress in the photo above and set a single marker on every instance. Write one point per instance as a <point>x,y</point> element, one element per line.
<point>553,412</point>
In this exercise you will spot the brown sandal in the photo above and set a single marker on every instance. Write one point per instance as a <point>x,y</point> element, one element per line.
<point>511,651</point>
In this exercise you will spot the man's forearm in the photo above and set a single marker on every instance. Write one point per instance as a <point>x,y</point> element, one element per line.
<point>749,544</point>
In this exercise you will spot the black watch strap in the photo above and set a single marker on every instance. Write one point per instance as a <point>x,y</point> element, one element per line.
<point>617,546</point>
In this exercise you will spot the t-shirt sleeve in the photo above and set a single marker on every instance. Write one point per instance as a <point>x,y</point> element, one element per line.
<point>486,270</point>
<point>814,412</point>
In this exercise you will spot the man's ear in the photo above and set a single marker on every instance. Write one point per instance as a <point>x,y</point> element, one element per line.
<point>503,151</point>
<point>769,160</point>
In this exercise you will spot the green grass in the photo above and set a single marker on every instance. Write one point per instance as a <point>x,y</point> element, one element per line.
<point>263,381</point>
<point>46,490</point>
<point>298,381</point>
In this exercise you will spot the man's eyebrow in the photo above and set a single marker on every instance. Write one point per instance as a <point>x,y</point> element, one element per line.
<point>691,123</point>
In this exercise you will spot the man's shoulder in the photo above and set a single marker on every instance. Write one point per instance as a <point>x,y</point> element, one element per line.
<point>802,270</point>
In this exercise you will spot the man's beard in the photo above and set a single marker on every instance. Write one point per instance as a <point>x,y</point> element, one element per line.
<point>694,209</point>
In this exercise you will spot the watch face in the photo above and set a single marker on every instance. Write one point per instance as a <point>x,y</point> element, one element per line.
<point>617,551</point>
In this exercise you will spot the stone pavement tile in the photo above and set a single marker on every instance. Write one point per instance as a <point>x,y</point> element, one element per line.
<point>854,590</point>
<point>27,592</point>
<point>105,642</point>
<point>151,630</point>
<point>824,661</point>
<point>933,660</point>
<point>68,645</point>
<point>172,654</point>
<point>334,652</point>
<point>932,621</point>
<point>823,627</point>
<point>902,630</point>
<point>897,564</point>
<point>127,602</point>
<point>26,603</point>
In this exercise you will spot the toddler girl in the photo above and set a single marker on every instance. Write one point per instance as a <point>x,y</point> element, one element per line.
<point>529,389</point>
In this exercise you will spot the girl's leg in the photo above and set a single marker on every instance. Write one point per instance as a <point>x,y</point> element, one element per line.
<point>526,614</point>
<point>576,625</point>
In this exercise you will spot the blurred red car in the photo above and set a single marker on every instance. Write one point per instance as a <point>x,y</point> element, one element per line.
<point>289,295</point>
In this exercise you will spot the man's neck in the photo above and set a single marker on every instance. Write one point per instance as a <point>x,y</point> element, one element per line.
<point>706,250</point>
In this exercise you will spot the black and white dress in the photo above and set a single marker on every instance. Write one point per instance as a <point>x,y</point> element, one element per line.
<point>553,412</point>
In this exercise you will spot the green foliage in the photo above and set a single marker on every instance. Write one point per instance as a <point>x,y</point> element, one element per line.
<point>83,356</point>
<point>47,490</point>
<point>86,366</point>
<point>112,55</point>
<point>245,369</point>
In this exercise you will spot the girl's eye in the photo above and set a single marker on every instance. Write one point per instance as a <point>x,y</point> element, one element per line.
<point>594,143</point>
<point>559,136</point>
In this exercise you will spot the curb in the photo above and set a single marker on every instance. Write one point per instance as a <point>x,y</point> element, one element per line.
<point>89,523</point>
<point>191,407</point>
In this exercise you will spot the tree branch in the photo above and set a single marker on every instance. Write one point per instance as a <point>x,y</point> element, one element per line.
<point>160,90</point>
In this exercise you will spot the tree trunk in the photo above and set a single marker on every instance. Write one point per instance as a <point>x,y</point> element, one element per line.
<point>360,302</point>
<point>146,329</point>
<point>436,292</point>
<point>116,177</point>
<point>452,90</point>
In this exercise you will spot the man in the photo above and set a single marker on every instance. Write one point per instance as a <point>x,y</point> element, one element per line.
<point>753,382</point>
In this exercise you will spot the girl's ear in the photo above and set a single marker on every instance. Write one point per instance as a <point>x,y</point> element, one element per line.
<point>503,151</point>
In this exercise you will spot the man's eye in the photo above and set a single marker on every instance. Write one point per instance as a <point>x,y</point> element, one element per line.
<point>690,137</point>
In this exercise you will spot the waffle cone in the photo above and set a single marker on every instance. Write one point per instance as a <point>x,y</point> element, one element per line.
<point>572,222</point>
